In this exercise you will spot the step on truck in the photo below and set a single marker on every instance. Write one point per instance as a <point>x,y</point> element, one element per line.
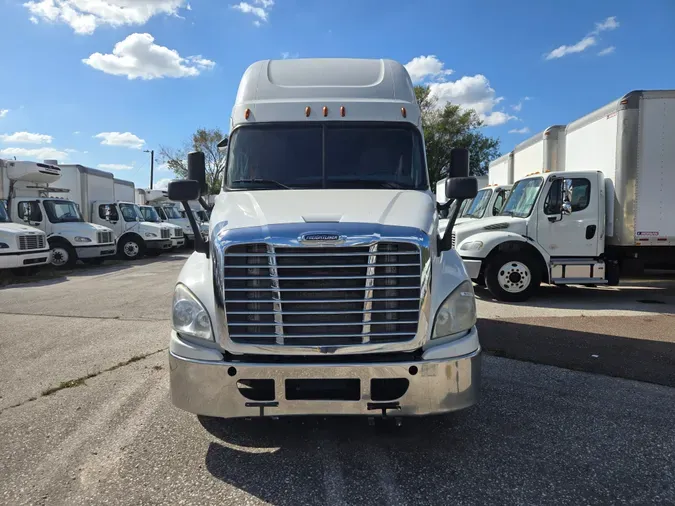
<point>612,206</point>
<point>22,248</point>
<point>34,198</point>
<point>102,199</point>
<point>324,287</point>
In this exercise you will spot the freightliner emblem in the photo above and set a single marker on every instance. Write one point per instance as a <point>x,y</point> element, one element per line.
<point>320,237</point>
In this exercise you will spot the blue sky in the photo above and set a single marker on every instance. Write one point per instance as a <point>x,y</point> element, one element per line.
<point>66,90</point>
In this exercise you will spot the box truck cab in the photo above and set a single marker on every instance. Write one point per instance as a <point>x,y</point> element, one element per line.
<point>324,286</point>
<point>177,236</point>
<point>167,211</point>
<point>33,201</point>
<point>21,246</point>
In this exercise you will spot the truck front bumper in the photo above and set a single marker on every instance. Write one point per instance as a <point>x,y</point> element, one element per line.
<point>95,251</point>
<point>160,244</point>
<point>24,259</point>
<point>472,266</point>
<point>402,388</point>
<point>178,242</point>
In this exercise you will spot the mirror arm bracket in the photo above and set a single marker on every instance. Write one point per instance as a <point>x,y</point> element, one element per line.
<point>201,246</point>
<point>445,242</point>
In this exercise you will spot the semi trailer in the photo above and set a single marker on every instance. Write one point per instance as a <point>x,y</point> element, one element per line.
<point>324,286</point>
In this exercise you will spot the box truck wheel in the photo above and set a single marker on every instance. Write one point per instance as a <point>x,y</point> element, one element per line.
<point>512,277</point>
<point>131,248</point>
<point>63,254</point>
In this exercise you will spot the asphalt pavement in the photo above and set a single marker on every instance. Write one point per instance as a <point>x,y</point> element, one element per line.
<point>85,416</point>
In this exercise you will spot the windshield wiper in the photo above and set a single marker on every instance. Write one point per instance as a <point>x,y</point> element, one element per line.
<point>263,181</point>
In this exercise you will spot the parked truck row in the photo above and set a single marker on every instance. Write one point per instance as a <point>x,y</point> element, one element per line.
<point>61,213</point>
<point>589,201</point>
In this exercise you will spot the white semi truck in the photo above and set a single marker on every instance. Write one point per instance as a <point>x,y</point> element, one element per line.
<point>96,192</point>
<point>21,247</point>
<point>168,211</point>
<point>612,206</point>
<point>33,200</point>
<point>324,287</point>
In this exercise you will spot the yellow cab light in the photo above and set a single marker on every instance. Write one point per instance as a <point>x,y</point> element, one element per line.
<point>247,113</point>
<point>308,110</point>
<point>624,101</point>
<point>325,111</point>
<point>342,111</point>
<point>403,112</point>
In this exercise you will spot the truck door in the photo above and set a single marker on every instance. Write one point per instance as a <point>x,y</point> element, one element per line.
<point>29,212</point>
<point>578,233</point>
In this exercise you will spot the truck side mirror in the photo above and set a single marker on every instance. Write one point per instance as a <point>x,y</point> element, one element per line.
<point>183,190</point>
<point>461,188</point>
<point>222,144</point>
<point>197,171</point>
<point>459,163</point>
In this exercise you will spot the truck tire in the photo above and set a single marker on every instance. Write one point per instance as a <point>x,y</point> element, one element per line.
<point>512,277</point>
<point>63,254</point>
<point>131,248</point>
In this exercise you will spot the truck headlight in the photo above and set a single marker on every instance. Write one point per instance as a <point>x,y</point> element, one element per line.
<point>471,246</point>
<point>150,234</point>
<point>189,316</point>
<point>82,239</point>
<point>457,313</point>
<point>4,245</point>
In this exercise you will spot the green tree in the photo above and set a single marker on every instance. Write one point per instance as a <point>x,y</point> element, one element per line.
<point>205,140</point>
<point>452,127</point>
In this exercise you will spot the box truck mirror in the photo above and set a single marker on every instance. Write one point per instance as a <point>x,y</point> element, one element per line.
<point>459,163</point>
<point>197,171</point>
<point>461,188</point>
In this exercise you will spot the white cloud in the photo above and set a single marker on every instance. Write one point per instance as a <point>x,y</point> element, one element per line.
<point>84,16</point>
<point>114,166</point>
<point>26,138</point>
<point>423,68</point>
<point>76,132</point>
<point>588,41</point>
<point>34,20</point>
<point>258,8</point>
<point>523,130</point>
<point>162,184</point>
<point>70,150</point>
<point>286,55</point>
<point>519,106</point>
<point>188,7</point>
<point>3,112</point>
<point>164,167</point>
<point>126,139</point>
<point>469,92</point>
<point>138,56</point>
<point>38,154</point>
<point>606,51</point>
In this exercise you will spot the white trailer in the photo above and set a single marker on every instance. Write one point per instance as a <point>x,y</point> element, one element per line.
<point>500,170</point>
<point>33,200</point>
<point>610,209</point>
<point>543,152</point>
<point>96,193</point>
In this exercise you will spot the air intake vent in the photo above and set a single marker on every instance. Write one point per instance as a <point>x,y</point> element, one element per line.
<point>104,237</point>
<point>34,241</point>
<point>166,233</point>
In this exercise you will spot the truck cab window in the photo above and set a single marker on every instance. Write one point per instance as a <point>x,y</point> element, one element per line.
<point>553,201</point>
<point>29,210</point>
<point>130,212</point>
<point>479,204</point>
<point>4,217</point>
<point>160,212</point>
<point>581,193</point>
<point>114,215</point>
<point>62,211</point>
<point>499,202</point>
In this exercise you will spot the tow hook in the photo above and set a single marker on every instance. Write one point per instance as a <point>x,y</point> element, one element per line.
<point>384,406</point>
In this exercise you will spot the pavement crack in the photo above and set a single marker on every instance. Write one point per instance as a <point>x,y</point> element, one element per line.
<point>119,318</point>
<point>82,379</point>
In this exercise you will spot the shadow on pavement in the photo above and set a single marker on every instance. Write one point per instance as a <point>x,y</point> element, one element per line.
<point>648,356</point>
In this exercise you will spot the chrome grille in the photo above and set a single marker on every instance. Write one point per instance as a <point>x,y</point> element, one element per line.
<point>35,241</point>
<point>322,296</point>
<point>166,233</point>
<point>104,237</point>
<point>178,232</point>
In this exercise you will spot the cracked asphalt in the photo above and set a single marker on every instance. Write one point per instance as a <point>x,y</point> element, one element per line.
<point>540,434</point>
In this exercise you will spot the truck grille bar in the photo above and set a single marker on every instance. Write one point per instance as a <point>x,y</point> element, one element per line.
<point>166,233</point>
<point>322,296</point>
<point>104,237</point>
<point>34,241</point>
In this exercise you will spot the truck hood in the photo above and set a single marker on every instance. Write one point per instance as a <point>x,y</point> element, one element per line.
<point>14,229</point>
<point>407,208</point>
<point>493,224</point>
<point>79,228</point>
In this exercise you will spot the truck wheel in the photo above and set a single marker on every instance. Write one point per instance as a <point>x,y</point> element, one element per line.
<point>131,249</point>
<point>63,255</point>
<point>512,277</point>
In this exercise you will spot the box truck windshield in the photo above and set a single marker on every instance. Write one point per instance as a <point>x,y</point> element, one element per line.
<point>326,156</point>
<point>149,214</point>
<point>4,217</point>
<point>479,204</point>
<point>171,213</point>
<point>131,212</point>
<point>523,195</point>
<point>62,211</point>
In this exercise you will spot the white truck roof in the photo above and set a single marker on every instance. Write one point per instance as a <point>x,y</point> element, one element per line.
<point>125,191</point>
<point>543,152</point>
<point>367,89</point>
<point>500,170</point>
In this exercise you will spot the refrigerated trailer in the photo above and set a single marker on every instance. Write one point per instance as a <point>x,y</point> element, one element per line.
<point>610,209</point>
<point>543,152</point>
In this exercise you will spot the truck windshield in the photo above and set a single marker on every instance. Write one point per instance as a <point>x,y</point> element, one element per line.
<point>62,211</point>
<point>201,215</point>
<point>149,214</point>
<point>479,204</point>
<point>464,207</point>
<point>325,155</point>
<point>3,213</point>
<point>131,212</point>
<point>521,200</point>
<point>171,213</point>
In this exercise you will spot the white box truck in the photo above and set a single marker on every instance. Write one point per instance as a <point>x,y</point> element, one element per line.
<point>543,152</point>
<point>32,199</point>
<point>500,170</point>
<point>324,287</point>
<point>611,206</point>
<point>95,193</point>
<point>168,211</point>
<point>22,248</point>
